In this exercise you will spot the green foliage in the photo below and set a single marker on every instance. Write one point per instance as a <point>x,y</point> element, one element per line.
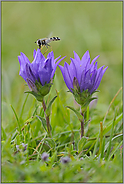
<point>92,158</point>
<point>96,157</point>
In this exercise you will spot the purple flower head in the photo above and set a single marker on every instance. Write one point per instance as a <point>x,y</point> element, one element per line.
<point>45,156</point>
<point>40,72</point>
<point>82,77</point>
<point>86,73</point>
<point>65,160</point>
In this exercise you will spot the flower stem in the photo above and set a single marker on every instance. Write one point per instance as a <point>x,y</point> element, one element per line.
<point>47,118</point>
<point>82,125</point>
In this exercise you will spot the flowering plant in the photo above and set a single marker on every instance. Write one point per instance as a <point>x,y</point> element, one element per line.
<point>39,75</point>
<point>82,79</point>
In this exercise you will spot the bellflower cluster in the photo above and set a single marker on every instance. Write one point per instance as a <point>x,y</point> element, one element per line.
<point>39,73</point>
<point>82,77</point>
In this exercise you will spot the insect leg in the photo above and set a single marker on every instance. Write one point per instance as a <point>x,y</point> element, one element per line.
<point>47,45</point>
<point>45,51</point>
<point>42,47</point>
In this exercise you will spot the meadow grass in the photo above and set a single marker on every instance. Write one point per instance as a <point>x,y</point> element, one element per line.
<point>96,157</point>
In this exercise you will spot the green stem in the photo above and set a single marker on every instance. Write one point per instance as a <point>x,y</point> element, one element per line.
<point>47,118</point>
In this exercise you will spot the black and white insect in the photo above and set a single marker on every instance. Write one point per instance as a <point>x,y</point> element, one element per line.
<point>45,41</point>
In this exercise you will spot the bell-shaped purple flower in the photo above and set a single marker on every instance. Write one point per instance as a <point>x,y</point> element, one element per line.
<point>39,73</point>
<point>82,77</point>
<point>65,160</point>
<point>45,156</point>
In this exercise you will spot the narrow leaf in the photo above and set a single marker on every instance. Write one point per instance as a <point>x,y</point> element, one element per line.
<point>3,134</point>
<point>95,148</point>
<point>109,125</point>
<point>37,95</point>
<point>80,117</point>
<point>49,106</point>
<point>103,147</point>
<point>23,106</point>
<point>16,119</point>
<point>81,144</point>
<point>110,140</point>
<point>43,121</point>
<point>113,152</point>
<point>106,146</point>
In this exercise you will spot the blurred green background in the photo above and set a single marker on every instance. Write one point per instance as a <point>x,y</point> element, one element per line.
<point>82,26</point>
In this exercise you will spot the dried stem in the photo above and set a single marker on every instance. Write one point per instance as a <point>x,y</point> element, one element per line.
<point>47,118</point>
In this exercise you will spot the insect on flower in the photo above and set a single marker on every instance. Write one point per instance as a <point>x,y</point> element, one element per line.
<point>44,42</point>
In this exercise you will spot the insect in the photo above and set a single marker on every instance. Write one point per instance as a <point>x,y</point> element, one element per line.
<point>45,41</point>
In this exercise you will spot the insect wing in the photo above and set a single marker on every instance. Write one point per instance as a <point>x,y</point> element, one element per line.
<point>43,39</point>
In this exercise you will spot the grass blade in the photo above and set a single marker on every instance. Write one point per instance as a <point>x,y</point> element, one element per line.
<point>16,119</point>
<point>94,151</point>
<point>111,134</point>
<point>114,150</point>
<point>23,106</point>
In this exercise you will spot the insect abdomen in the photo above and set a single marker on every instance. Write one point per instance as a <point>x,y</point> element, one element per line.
<point>55,38</point>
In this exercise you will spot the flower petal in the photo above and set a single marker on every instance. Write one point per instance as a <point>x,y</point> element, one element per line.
<point>93,61</point>
<point>98,78</point>
<point>56,64</point>
<point>76,56</point>
<point>82,81</point>
<point>23,60</point>
<point>66,76</point>
<point>34,53</point>
<point>77,69</point>
<point>29,73</point>
<point>31,85</point>
<point>85,58</point>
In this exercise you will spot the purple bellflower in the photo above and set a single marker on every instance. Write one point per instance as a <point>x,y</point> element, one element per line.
<point>38,74</point>
<point>65,160</point>
<point>82,77</point>
<point>45,156</point>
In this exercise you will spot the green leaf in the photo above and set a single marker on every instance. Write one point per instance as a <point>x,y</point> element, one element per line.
<point>4,136</point>
<point>14,135</point>
<point>44,90</point>
<point>22,110</point>
<point>115,149</point>
<point>106,146</point>
<point>51,142</point>
<point>43,121</point>
<point>37,95</point>
<point>49,106</point>
<point>102,148</point>
<point>90,148</point>
<point>110,140</point>
<point>86,103</point>
<point>53,158</point>
<point>81,144</point>
<point>95,147</point>
<point>80,117</point>
<point>16,119</point>
<point>109,125</point>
